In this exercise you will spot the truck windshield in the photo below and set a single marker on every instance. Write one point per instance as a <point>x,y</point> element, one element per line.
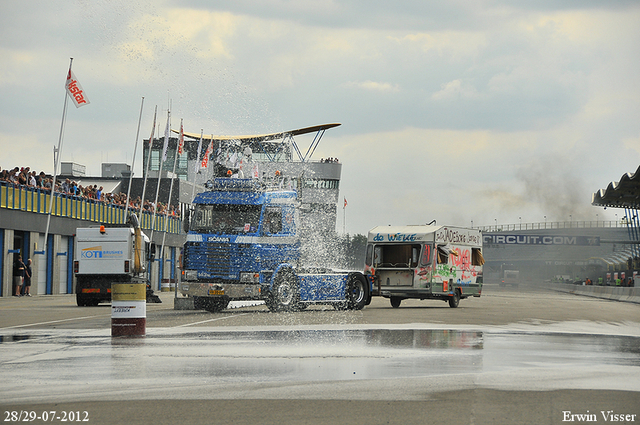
<point>227,219</point>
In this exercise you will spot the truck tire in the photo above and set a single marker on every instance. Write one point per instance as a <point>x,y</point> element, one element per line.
<point>454,300</point>
<point>285,294</point>
<point>395,301</point>
<point>85,301</point>
<point>357,293</point>
<point>210,304</point>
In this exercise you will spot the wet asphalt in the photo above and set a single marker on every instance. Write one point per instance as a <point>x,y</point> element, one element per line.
<point>521,355</point>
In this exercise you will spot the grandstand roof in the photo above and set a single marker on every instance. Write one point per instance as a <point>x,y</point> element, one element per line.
<point>622,194</point>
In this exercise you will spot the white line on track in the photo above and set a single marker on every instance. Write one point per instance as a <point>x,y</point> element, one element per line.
<point>210,320</point>
<point>52,321</point>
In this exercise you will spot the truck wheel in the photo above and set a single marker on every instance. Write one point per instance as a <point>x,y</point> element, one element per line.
<point>81,301</point>
<point>197,303</point>
<point>395,302</point>
<point>284,293</point>
<point>356,292</point>
<point>454,300</point>
<point>211,304</point>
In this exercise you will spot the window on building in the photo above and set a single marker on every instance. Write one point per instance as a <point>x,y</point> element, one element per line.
<point>155,161</point>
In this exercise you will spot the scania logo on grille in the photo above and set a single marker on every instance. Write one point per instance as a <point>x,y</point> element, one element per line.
<point>217,239</point>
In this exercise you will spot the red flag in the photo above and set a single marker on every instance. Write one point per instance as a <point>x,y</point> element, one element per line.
<point>74,90</point>
<point>207,154</point>
<point>345,203</point>
<point>181,140</point>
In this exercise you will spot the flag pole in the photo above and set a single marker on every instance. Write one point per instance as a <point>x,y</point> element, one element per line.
<point>155,209</point>
<point>133,162</point>
<point>146,172</point>
<point>155,202</point>
<point>198,166</point>
<point>173,174</point>
<point>344,217</point>
<point>56,162</point>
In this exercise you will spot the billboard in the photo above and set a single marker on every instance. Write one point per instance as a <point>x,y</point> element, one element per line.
<point>511,239</point>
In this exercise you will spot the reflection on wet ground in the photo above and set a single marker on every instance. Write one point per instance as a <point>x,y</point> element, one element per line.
<point>91,361</point>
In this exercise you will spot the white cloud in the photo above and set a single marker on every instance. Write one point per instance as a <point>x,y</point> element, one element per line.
<point>374,86</point>
<point>453,90</point>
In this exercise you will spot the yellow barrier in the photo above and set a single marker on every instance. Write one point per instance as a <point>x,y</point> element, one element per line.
<point>37,201</point>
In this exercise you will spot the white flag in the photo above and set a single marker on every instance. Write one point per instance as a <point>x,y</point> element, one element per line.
<point>153,129</point>
<point>167,133</point>
<point>74,89</point>
<point>199,152</point>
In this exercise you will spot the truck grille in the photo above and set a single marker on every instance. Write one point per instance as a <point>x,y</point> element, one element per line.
<point>213,258</point>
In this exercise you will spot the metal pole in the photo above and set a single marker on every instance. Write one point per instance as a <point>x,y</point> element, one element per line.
<point>166,221</point>
<point>55,164</point>
<point>198,164</point>
<point>146,172</point>
<point>133,162</point>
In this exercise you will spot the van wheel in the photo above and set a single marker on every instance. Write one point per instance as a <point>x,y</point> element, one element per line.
<point>454,300</point>
<point>395,302</point>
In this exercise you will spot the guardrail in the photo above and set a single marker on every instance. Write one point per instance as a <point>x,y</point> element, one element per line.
<point>553,225</point>
<point>36,200</point>
<point>615,293</point>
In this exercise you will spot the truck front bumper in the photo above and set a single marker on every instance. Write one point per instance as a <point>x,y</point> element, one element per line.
<point>222,289</point>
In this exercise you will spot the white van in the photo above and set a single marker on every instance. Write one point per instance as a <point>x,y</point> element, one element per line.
<point>424,262</point>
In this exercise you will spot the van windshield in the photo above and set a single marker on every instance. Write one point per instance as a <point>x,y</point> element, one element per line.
<point>396,256</point>
<point>226,219</point>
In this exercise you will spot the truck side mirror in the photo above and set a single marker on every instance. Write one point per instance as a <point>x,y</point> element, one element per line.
<point>185,221</point>
<point>151,251</point>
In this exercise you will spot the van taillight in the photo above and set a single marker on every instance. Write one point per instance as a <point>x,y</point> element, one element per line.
<point>76,266</point>
<point>126,266</point>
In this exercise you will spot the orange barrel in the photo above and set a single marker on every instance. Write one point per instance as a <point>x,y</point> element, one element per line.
<point>128,309</point>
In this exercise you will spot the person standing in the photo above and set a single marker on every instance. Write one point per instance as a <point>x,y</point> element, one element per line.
<point>18,275</point>
<point>27,279</point>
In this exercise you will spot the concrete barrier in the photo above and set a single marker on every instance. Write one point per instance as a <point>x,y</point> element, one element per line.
<point>615,293</point>
<point>183,303</point>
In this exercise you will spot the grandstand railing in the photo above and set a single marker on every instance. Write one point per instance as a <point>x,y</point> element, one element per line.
<point>554,225</point>
<point>36,200</point>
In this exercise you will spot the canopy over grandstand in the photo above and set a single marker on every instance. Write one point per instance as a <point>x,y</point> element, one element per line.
<point>622,194</point>
<point>625,194</point>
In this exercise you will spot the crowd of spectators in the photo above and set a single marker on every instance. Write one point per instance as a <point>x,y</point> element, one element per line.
<point>25,177</point>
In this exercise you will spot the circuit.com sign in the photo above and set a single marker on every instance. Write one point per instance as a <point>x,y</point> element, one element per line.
<point>542,240</point>
<point>96,252</point>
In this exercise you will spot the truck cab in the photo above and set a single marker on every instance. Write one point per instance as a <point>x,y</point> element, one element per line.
<point>239,232</point>
<point>242,244</point>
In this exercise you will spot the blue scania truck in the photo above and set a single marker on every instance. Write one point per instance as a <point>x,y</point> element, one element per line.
<point>243,243</point>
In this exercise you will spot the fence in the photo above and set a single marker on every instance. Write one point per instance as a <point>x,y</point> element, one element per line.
<point>36,200</point>
<point>554,225</point>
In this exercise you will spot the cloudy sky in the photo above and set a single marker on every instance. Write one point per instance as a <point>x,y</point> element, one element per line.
<point>485,112</point>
